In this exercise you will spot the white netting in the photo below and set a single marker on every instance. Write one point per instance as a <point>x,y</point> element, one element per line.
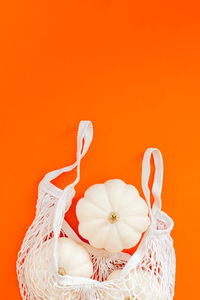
<point>38,281</point>
<point>147,275</point>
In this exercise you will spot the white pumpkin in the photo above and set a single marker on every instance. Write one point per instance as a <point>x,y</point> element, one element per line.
<point>145,284</point>
<point>112,215</point>
<point>73,260</point>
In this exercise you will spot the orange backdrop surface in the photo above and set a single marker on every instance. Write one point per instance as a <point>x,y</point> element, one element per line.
<point>133,69</point>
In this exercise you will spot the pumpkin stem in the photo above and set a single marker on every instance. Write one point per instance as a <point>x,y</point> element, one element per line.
<point>113,217</point>
<point>61,271</point>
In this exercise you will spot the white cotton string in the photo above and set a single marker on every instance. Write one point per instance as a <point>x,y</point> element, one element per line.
<point>66,228</point>
<point>85,134</point>
<point>156,191</point>
<point>158,177</point>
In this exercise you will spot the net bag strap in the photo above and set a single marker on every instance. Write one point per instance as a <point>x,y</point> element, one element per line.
<point>158,178</point>
<point>84,139</point>
<point>156,191</point>
<point>85,134</point>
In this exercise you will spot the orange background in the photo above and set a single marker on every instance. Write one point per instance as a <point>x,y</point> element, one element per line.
<point>133,69</point>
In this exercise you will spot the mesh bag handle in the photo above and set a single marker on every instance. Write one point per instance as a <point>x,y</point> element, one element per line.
<point>85,134</point>
<point>158,178</point>
<point>84,139</point>
<point>156,191</point>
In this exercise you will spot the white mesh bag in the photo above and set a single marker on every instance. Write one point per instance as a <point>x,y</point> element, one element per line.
<point>149,274</point>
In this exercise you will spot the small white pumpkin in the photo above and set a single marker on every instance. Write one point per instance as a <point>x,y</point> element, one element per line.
<point>145,284</point>
<point>112,215</point>
<point>73,260</point>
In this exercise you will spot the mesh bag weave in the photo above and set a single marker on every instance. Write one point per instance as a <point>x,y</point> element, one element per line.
<point>149,274</point>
